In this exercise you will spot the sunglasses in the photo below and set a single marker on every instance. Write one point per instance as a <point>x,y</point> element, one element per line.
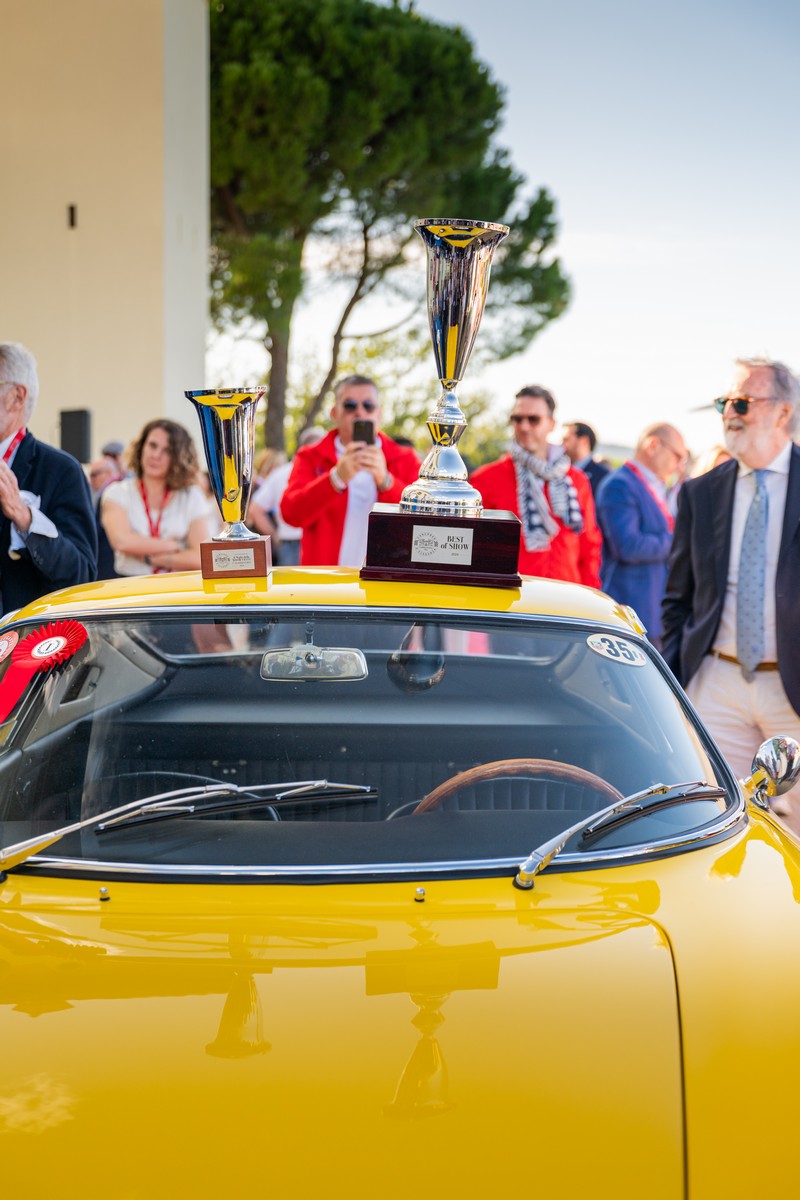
<point>519,418</point>
<point>352,405</point>
<point>740,403</point>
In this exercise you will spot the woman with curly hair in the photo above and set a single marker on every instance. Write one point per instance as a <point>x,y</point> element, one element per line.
<point>156,519</point>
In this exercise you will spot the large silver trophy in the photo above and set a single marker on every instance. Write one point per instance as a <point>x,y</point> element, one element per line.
<point>459,261</point>
<point>227,424</point>
<point>440,531</point>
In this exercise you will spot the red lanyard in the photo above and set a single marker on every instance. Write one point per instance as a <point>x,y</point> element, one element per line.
<point>154,526</point>
<point>666,514</point>
<point>12,445</point>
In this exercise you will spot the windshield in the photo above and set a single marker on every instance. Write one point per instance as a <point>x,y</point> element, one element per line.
<point>307,739</point>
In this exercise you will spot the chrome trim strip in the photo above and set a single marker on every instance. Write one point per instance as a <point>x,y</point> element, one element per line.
<point>177,610</point>
<point>727,822</point>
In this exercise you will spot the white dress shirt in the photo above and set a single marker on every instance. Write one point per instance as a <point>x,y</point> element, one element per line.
<point>777,482</point>
<point>362,493</point>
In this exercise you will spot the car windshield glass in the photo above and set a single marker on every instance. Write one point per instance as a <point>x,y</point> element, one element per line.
<point>472,739</point>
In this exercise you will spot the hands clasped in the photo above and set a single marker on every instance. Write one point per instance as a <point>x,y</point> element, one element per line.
<point>11,503</point>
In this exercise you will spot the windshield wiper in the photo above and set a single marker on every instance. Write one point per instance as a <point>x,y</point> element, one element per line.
<point>660,795</point>
<point>183,802</point>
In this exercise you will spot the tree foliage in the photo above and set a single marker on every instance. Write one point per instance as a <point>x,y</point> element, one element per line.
<point>349,119</point>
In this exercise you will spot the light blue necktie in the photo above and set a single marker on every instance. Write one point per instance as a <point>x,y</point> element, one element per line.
<point>752,571</point>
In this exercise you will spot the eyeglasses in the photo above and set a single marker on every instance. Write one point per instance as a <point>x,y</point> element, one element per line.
<point>681,456</point>
<point>519,418</point>
<point>352,405</point>
<point>740,403</point>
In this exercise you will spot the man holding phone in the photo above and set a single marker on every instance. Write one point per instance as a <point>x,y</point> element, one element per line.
<point>334,484</point>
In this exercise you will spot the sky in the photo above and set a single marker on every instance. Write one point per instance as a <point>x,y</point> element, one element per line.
<point>668,135</point>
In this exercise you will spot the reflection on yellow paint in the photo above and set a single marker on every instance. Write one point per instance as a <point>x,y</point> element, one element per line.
<point>38,1104</point>
<point>452,351</point>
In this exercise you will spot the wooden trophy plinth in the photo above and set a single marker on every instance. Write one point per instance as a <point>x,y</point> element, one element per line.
<point>414,547</point>
<point>238,558</point>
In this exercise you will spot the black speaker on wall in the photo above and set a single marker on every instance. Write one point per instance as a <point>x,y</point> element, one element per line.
<point>76,433</point>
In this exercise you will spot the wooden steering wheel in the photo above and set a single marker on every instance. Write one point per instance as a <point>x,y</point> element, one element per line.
<point>516,766</point>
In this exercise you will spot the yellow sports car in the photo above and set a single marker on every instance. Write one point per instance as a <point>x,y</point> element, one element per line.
<point>335,887</point>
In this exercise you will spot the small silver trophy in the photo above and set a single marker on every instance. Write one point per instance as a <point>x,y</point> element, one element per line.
<point>459,261</point>
<point>227,423</point>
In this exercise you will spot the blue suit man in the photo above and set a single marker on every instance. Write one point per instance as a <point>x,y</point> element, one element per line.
<point>637,525</point>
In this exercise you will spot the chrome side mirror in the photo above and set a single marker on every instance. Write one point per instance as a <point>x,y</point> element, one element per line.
<point>776,769</point>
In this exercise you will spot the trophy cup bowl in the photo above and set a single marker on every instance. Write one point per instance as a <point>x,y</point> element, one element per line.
<point>459,255</point>
<point>227,425</point>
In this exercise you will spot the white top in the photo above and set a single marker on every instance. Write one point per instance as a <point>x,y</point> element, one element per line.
<point>268,497</point>
<point>362,492</point>
<point>777,483</point>
<point>181,511</point>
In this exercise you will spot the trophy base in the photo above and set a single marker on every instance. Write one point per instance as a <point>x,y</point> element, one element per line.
<point>236,558</point>
<point>416,547</point>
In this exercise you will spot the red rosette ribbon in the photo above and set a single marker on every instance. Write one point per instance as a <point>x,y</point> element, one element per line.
<point>48,647</point>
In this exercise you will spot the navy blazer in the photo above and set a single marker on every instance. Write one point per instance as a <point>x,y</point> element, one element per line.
<point>596,471</point>
<point>698,574</point>
<point>636,542</point>
<point>47,563</point>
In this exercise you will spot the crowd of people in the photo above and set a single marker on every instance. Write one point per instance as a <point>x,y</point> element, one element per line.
<point>707,558</point>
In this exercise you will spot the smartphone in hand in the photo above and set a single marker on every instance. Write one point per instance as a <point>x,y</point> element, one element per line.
<point>364,431</point>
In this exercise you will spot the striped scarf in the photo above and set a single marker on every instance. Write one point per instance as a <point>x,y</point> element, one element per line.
<point>537,516</point>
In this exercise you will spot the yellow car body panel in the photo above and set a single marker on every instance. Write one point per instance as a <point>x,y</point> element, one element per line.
<point>355,1038</point>
<point>185,1039</point>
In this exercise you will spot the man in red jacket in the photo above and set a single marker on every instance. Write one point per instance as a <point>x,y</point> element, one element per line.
<point>334,484</point>
<point>553,500</point>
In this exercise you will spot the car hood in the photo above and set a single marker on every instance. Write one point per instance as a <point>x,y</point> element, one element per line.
<point>183,1039</point>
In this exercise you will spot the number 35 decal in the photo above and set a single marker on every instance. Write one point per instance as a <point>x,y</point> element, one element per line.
<point>617,649</point>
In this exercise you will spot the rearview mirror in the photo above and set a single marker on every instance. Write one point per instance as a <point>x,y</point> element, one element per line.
<point>307,661</point>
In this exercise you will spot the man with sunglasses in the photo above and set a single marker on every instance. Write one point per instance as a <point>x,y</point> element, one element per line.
<point>732,603</point>
<point>553,500</point>
<point>334,484</point>
<point>637,524</point>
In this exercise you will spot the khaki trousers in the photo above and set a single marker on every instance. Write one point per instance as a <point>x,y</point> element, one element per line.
<point>741,715</point>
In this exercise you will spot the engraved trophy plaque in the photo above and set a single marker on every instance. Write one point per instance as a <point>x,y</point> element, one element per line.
<point>440,531</point>
<point>227,424</point>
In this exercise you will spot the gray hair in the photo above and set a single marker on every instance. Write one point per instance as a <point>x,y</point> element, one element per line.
<point>17,365</point>
<point>354,381</point>
<point>785,386</point>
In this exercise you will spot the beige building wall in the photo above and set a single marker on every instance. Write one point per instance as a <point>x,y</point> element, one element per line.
<point>105,116</point>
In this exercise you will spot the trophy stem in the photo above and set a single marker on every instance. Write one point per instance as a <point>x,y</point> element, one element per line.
<point>442,488</point>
